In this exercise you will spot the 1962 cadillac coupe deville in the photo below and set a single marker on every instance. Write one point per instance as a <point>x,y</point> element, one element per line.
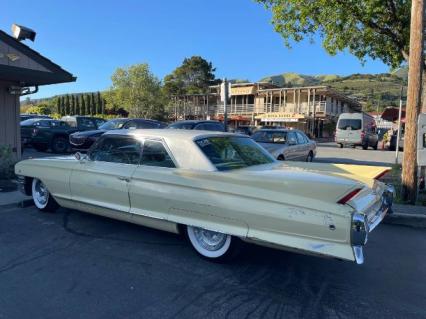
<point>215,188</point>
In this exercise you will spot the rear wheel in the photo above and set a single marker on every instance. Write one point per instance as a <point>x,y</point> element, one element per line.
<point>42,198</point>
<point>210,244</point>
<point>340,145</point>
<point>281,158</point>
<point>376,145</point>
<point>59,144</point>
<point>365,146</point>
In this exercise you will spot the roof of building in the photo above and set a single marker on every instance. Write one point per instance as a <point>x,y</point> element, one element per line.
<point>27,76</point>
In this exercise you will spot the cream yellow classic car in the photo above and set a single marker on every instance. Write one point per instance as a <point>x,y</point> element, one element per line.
<point>217,189</point>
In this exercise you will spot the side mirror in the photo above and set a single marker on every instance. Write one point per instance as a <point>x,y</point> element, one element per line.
<point>80,157</point>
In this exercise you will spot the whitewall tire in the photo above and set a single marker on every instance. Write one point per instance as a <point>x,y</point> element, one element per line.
<point>43,200</point>
<point>210,244</point>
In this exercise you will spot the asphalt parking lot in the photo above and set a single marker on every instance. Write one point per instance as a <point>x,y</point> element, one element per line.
<point>75,265</point>
<point>331,153</point>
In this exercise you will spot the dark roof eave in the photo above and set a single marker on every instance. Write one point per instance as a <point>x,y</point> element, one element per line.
<point>30,77</point>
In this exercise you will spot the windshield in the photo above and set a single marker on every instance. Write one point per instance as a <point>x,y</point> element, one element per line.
<point>270,137</point>
<point>227,153</point>
<point>112,124</point>
<point>345,124</point>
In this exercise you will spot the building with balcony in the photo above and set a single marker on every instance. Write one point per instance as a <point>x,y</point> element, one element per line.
<point>312,109</point>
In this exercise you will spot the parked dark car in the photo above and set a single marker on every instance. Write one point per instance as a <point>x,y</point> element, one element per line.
<point>43,134</point>
<point>24,117</point>
<point>246,130</point>
<point>198,125</point>
<point>82,141</point>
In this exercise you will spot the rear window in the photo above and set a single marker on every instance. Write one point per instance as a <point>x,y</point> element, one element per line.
<point>182,126</point>
<point>270,137</point>
<point>352,124</point>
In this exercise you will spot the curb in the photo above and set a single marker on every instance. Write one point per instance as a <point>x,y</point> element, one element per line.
<point>411,220</point>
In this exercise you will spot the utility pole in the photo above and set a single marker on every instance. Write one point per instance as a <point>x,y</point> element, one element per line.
<point>409,165</point>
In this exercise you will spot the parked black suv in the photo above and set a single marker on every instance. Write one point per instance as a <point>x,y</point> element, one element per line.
<point>82,141</point>
<point>43,134</point>
<point>203,125</point>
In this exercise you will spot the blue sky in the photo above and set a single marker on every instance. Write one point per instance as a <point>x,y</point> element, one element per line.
<point>92,38</point>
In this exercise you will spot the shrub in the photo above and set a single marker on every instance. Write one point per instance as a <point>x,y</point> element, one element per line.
<point>7,162</point>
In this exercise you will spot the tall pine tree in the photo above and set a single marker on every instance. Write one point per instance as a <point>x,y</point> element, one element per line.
<point>89,104</point>
<point>103,106</point>
<point>98,103</point>
<point>72,104</point>
<point>77,105</point>
<point>94,106</point>
<point>67,105</point>
<point>83,105</point>
<point>58,105</point>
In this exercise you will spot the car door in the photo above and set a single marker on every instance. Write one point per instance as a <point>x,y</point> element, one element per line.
<point>152,181</point>
<point>291,151</point>
<point>102,180</point>
<point>302,147</point>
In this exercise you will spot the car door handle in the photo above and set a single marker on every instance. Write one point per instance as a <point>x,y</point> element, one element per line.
<point>123,178</point>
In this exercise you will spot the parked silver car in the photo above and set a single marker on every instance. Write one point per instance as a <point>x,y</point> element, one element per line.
<point>285,144</point>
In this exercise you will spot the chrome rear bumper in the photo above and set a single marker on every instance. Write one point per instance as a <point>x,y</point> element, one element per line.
<point>362,224</point>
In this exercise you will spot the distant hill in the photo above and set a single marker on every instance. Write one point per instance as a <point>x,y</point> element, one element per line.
<point>295,79</point>
<point>368,89</point>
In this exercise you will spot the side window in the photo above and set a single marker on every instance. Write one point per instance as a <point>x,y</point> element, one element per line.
<point>300,138</point>
<point>99,122</point>
<point>86,124</point>
<point>279,137</point>
<point>144,124</point>
<point>292,138</point>
<point>155,154</point>
<point>116,149</point>
<point>201,127</point>
<point>129,125</point>
<point>213,127</point>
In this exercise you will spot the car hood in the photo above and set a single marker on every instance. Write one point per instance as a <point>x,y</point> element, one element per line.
<point>88,133</point>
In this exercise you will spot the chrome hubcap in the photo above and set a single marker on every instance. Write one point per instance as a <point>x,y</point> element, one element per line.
<point>41,193</point>
<point>209,240</point>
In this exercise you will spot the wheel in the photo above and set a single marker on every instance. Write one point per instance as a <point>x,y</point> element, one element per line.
<point>310,157</point>
<point>375,146</point>
<point>364,146</point>
<point>281,158</point>
<point>210,244</point>
<point>59,145</point>
<point>40,147</point>
<point>42,198</point>
<point>340,145</point>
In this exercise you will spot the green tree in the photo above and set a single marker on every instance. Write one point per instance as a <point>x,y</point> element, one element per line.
<point>94,106</point>
<point>67,105</point>
<point>83,105</point>
<point>192,77</point>
<point>89,104</point>
<point>379,29</point>
<point>73,104</point>
<point>77,105</point>
<point>98,103</point>
<point>138,91</point>
<point>58,105</point>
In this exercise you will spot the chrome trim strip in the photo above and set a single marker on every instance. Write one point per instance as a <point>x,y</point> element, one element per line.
<point>359,254</point>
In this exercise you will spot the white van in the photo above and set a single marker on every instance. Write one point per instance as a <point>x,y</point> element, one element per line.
<point>356,129</point>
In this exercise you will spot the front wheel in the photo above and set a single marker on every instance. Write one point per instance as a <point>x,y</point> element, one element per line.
<point>310,157</point>
<point>42,198</point>
<point>59,145</point>
<point>210,244</point>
